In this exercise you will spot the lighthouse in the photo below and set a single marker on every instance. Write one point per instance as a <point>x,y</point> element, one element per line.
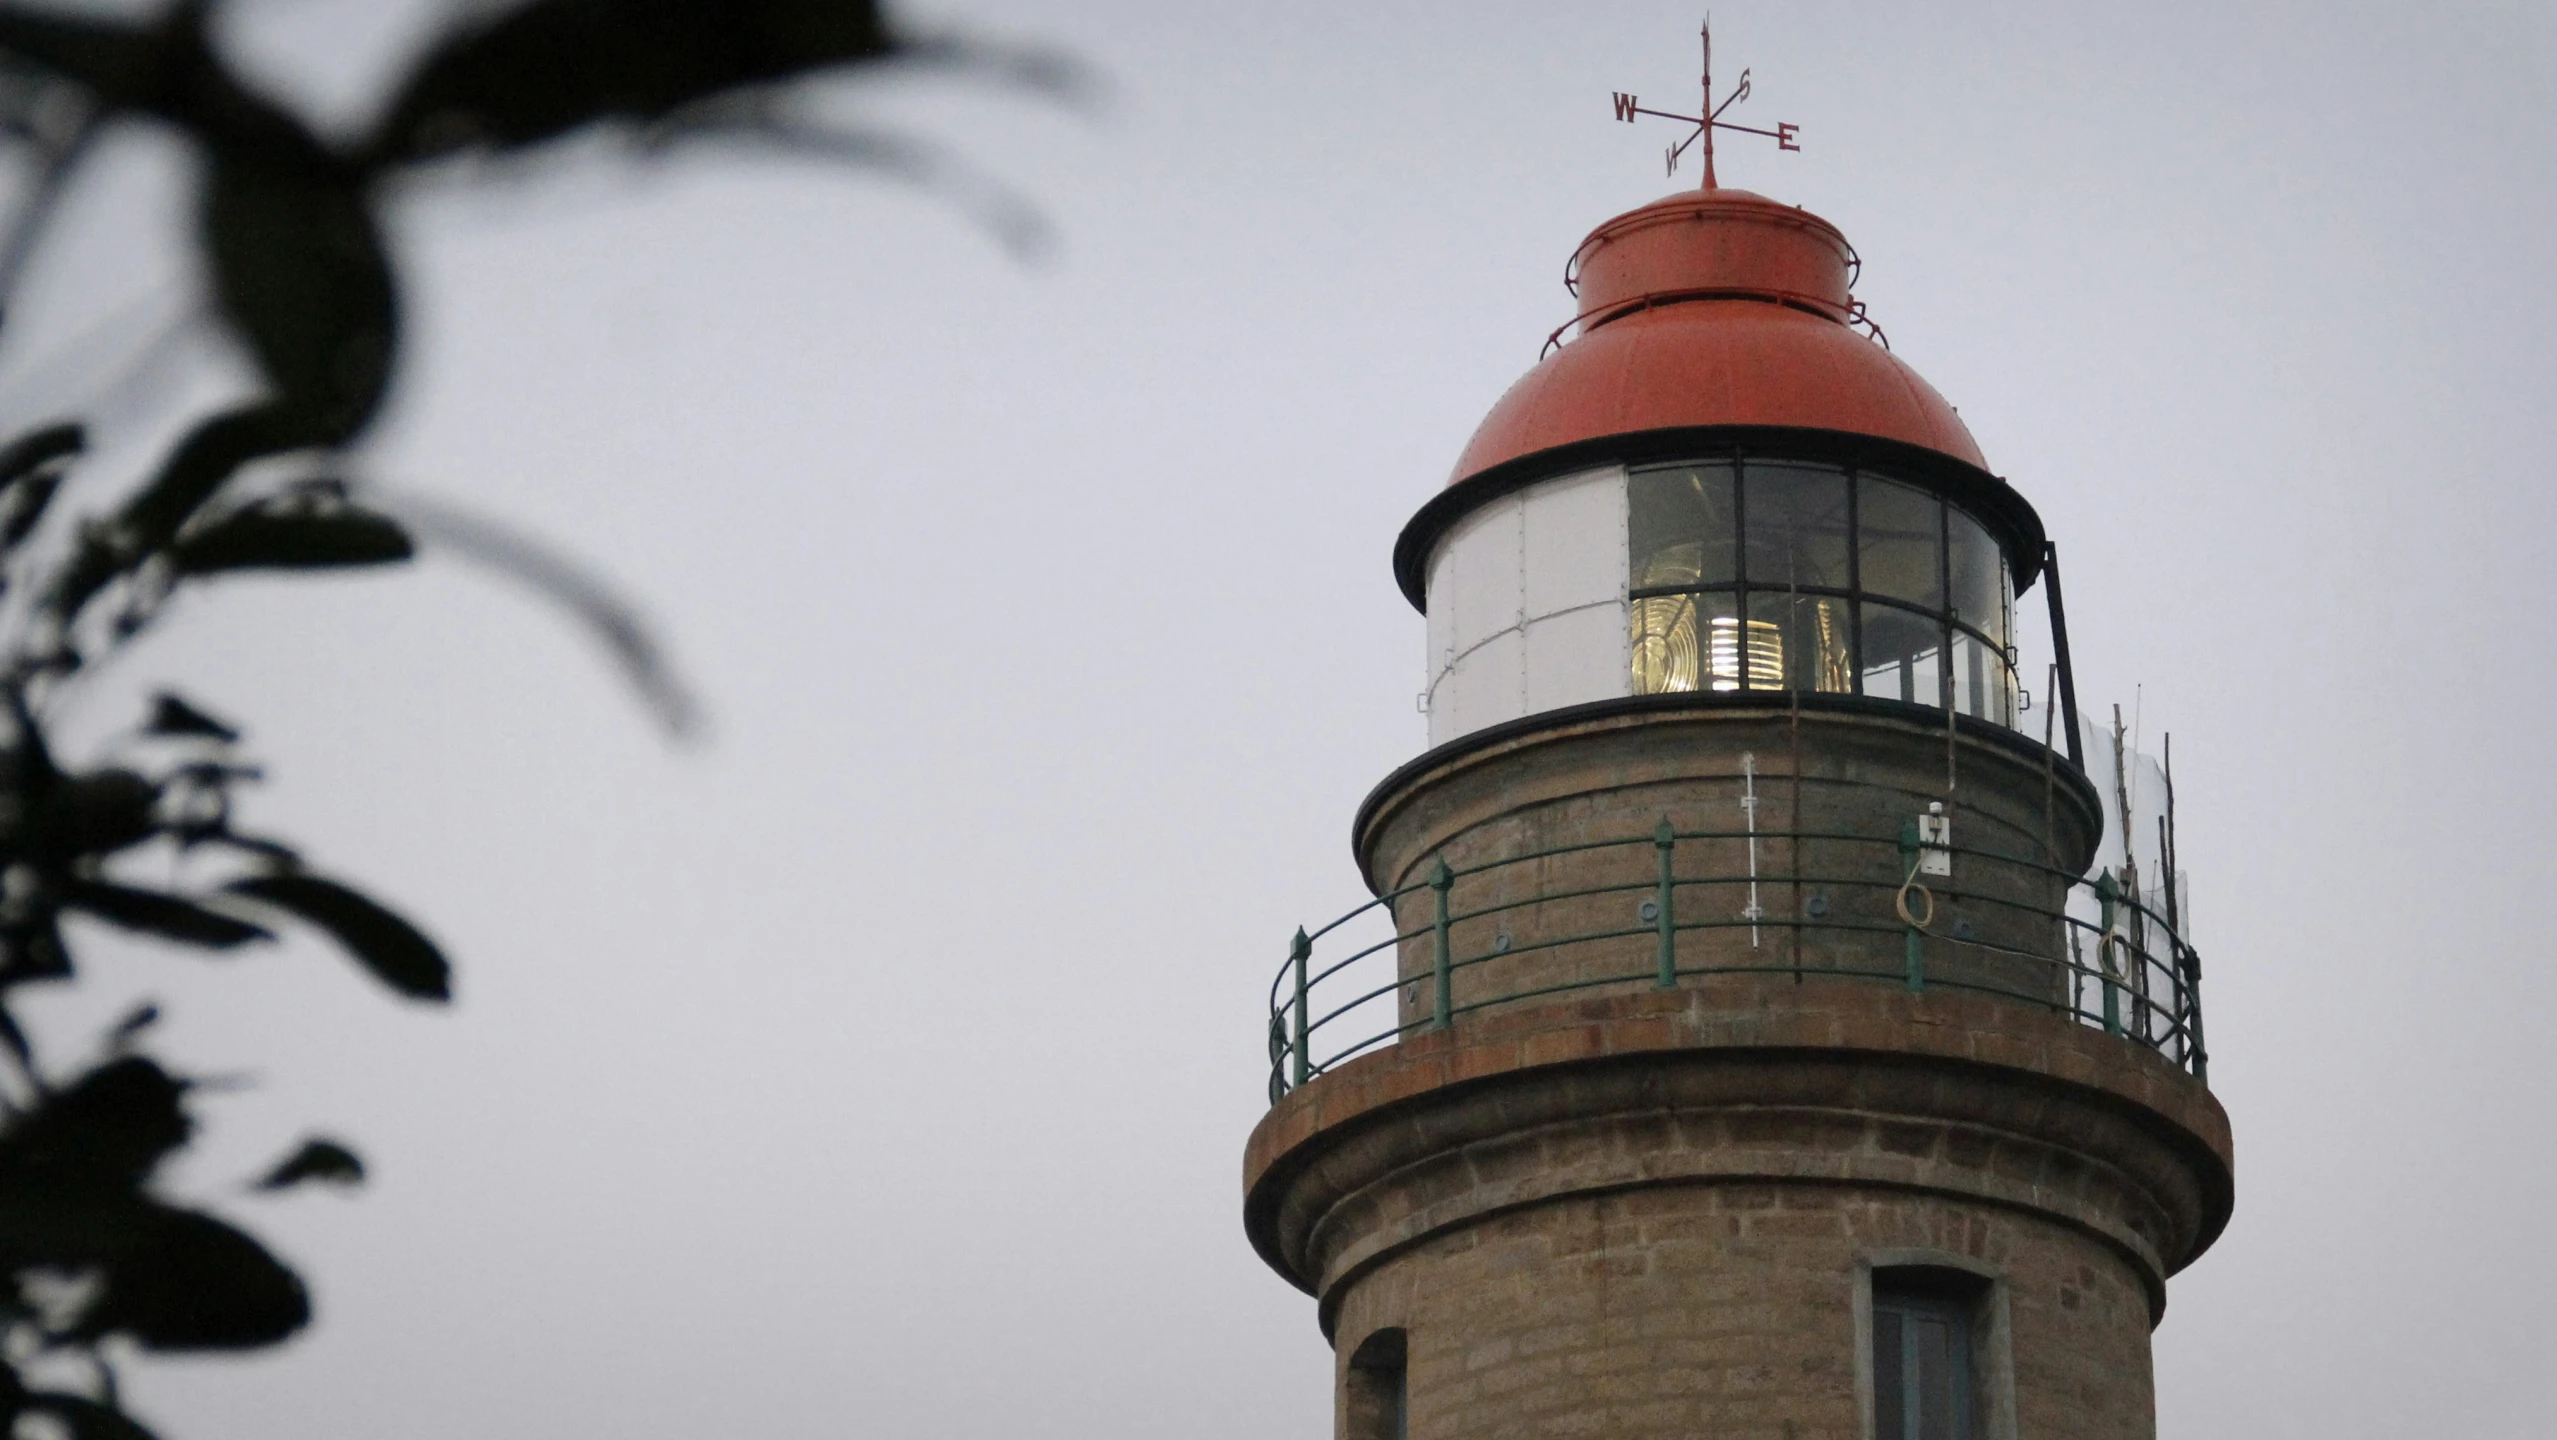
<point>1775,1016</point>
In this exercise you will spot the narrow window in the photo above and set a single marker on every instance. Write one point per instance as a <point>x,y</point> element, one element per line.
<point>1376,1395</point>
<point>1923,1344</point>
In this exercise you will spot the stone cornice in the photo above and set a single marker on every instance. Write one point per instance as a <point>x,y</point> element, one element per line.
<point>1741,1079</point>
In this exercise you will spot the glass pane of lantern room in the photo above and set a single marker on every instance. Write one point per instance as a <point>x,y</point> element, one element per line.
<point>1899,542</point>
<point>1979,577</point>
<point>1983,687</point>
<point>1681,528</point>
<point>1797,521</point>
<point>1804,640</point>
<point>1684,643</point>
<point>1903,651</point>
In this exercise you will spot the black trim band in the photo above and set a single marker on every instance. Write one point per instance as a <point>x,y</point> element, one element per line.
<point>1974,491</point>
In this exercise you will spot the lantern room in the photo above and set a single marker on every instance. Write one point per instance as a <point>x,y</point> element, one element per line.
<point>1720,481</point>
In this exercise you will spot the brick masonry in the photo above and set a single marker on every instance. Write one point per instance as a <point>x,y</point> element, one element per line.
<point>1730,1311</point>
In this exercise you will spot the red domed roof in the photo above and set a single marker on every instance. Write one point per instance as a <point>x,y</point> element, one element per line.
<point>1715,307</point>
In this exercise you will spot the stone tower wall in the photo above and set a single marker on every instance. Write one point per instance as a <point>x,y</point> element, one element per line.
<point>1620,1210</point>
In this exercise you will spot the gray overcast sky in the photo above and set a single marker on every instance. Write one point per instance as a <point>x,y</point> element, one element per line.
<point>883,1067</point>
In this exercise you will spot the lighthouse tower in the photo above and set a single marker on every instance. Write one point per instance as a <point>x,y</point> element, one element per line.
<point>1773,1019</point>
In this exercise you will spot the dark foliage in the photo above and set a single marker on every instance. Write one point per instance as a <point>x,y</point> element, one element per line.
<point>324,1161</point>
<point>536,73</point>
<point>382,942</point>
<point>288,227</point>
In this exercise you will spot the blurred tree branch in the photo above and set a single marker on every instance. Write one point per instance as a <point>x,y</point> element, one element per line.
<point>290,230</point>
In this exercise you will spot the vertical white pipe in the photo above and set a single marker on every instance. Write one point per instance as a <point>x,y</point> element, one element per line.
<point>1749,811</point>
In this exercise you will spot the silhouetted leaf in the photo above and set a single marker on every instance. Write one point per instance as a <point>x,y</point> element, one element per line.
<point>122,64</point>
<point>210,454</point>
<point>171,714</point>
<point>26,763</point>
<point>535,72</point>
<point>16,1039</point>
<point>30,474</point>
<point>94,813</point>
<point>32,951</point>
<point>153,913</point>
<point>23,507</point>
<point>299,267</point>
<point>103,1133</point>
<point>382,942</point>
<point>38,448</point>
<point>168,67</point>
<point>87,1419</point>
<point>286,229</point>
<point>182,1280</point>
<point>613,620</point>
<point>255,540</point>
<point>322,1160</point>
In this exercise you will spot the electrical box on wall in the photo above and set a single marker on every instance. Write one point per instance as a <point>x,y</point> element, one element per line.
<point>1935,841</point>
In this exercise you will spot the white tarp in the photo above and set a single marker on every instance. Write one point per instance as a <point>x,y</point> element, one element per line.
<point>2140,779</point>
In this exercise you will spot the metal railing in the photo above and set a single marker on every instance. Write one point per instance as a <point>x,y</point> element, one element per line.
<point>2103,952</point>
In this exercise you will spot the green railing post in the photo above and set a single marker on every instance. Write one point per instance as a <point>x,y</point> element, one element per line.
<point>1443,1007</point>
<point>1913,954</point>
<point>1666,840</point>
<point>2108,895</point>
<point>1300,951</point>
<point>1278,1057</point>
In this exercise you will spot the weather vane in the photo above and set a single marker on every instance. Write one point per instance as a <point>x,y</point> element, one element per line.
<point>1710,119</point>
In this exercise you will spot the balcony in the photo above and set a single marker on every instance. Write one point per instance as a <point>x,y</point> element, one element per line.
<point>1675,906</point>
